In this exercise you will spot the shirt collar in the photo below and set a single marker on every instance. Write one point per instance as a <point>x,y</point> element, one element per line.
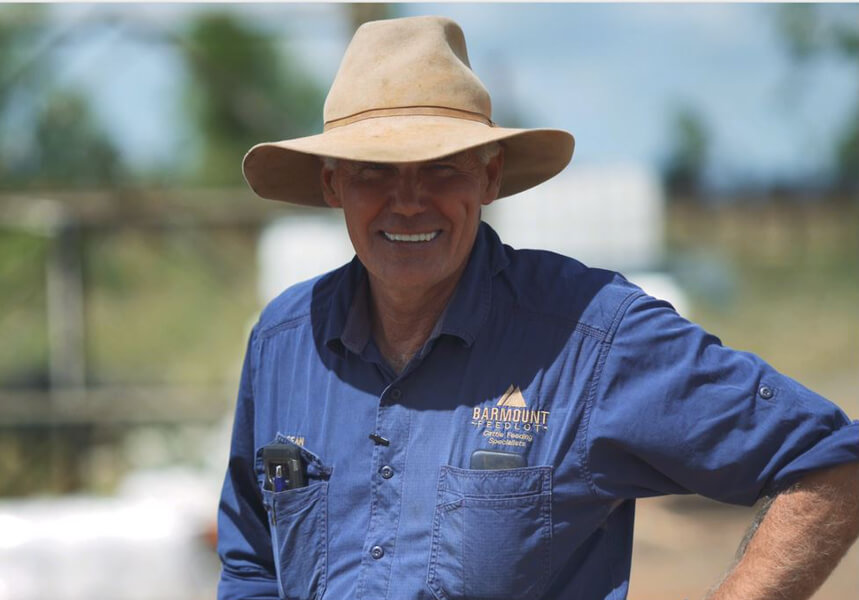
<point>467,311</point>
<point>356,330</point>
<point>348,325</point>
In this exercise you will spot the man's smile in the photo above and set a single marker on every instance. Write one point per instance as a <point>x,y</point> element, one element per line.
<point>411,237</point>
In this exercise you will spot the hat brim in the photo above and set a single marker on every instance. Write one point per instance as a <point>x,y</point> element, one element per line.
<point>289,170</point>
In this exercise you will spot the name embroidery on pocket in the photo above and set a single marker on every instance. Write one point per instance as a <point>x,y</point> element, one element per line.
<point>298,440</point>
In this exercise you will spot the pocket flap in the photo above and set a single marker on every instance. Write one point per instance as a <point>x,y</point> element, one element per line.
<point>502,483</point>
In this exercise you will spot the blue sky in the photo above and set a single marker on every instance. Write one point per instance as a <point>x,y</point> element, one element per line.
<point>611,74</point>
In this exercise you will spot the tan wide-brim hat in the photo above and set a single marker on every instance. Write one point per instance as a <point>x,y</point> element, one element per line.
<point>405,92</point>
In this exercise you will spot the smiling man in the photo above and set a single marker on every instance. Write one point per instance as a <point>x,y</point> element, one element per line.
<point>413,226</point>
<point>447,417</point>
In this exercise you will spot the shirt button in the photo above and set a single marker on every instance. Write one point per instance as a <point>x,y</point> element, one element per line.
<point>765,392</point>
<point>396,394</point>
<point>377,552</point>
<point>386,472</point>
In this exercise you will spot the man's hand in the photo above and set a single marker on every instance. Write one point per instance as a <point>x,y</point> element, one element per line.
<point>805,532</point>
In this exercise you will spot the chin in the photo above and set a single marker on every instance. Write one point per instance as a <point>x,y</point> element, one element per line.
<point>413,278</point>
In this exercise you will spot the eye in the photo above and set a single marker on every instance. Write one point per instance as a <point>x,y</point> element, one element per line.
<point>442,168</point>
<point>374,170</point>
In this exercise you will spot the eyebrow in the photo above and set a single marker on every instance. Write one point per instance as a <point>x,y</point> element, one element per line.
<point>454,156</point>
<point>370,163</point>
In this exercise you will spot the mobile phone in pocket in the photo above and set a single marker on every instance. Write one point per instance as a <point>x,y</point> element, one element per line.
<point>491,460</point>
<point>285,468</point>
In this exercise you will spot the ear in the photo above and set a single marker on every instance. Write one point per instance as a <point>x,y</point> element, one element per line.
<point>329,189</point>
<point>494,173</point>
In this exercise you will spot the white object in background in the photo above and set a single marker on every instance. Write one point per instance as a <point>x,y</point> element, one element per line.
<point>152,545</point>
<point>300,247</point>
<point>610,216</point>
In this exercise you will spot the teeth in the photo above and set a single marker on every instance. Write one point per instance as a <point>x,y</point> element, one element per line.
<point>411,237</point>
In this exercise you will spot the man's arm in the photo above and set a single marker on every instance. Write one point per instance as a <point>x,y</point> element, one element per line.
<point>804,533</point>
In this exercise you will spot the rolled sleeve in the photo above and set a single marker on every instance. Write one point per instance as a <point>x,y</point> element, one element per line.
<point>244,539</point>
<point>674,411</point>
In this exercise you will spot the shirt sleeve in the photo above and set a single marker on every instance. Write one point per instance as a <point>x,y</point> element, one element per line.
<point>674,411</point>
<point>244,538</point>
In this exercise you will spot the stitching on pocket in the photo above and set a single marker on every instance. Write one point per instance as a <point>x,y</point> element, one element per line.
<point>315,521</point>
<point>291,503</point>
<point>539,499</point>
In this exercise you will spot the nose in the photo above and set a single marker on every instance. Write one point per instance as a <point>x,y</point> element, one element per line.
<point>406,195</point>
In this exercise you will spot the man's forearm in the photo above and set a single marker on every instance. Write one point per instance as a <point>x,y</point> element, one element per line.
<point>805,532</point>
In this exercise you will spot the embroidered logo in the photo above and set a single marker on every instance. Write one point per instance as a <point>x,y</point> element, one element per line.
<point>513,398</point>
<point>510,422</point>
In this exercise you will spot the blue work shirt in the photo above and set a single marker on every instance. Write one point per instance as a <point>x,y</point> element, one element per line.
<point>604,393</point>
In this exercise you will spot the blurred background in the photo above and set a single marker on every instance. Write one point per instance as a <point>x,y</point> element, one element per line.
<point>717,164</point>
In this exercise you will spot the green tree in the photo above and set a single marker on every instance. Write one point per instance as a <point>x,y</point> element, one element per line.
<point>49,135</point>
<point>70,150</point>
<point>688,152</point>
<point>811,30</point>
<point>242,89</point>
<point>18,24</point>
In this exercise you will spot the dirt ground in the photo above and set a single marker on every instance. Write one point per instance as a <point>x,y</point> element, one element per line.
<point>684,544</point>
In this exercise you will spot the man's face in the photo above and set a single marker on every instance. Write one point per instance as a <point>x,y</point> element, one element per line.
<point>413,224</point>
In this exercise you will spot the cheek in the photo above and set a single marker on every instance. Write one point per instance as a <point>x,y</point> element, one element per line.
<point>467,212</point>
<point>360,208</point>
<point>452,186</point>
<point>357,227</point>
<point>460,203</point>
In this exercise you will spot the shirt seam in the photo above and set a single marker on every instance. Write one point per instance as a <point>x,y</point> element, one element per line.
<point>255,359</point>
<point>584,328</point>
<point>291,322</point>
<point>584,448</point>
<point>246,571</point>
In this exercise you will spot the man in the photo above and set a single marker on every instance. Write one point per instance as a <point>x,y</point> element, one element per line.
<point>446,417</point>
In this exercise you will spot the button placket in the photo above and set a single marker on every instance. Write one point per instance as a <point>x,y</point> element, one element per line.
<point>392,422</point>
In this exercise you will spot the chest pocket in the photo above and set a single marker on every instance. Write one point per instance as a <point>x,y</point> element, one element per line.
<point>492,534</point>
<point>298,520</point>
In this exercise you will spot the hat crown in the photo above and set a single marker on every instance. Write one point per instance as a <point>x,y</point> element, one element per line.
<point>401,64</point>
